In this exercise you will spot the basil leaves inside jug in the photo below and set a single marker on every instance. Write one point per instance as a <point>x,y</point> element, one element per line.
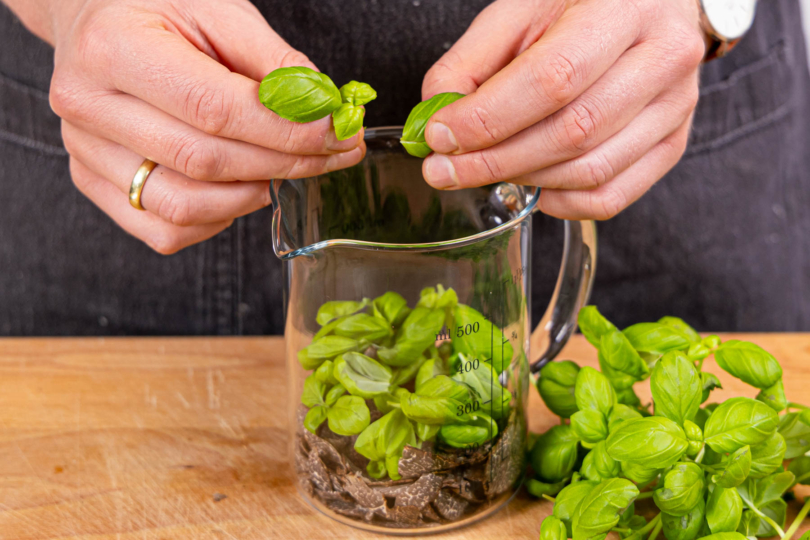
<point>405,416</point>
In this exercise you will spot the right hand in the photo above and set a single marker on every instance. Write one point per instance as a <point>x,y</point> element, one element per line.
<point>176,81</point>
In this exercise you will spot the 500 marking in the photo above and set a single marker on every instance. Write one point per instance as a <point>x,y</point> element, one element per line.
<point>461,331</point>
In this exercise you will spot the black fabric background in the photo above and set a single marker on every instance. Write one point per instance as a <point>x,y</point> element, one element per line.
<point>722,241</point>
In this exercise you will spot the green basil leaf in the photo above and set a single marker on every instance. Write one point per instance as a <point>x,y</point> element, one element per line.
<point>796,434</point>
<point>676,388</point>
<point>444,386</point>
<point>537,488</point>
<point>638,473</point>
<point>620,355</point>
<point>598,465</point>
<point>682,327</point>
<point>313,392</point>
<point>777,511</point>
<point>556,386</point>
<point>326,348</point>
<point>774,396</point>
<point>736,469</point>
<point>804,417</point>
<point>593,391</point>
<point>599,511</point>
<point>709,382</point>
<point>348,121</point>
<point>590,426</point>
<point>593,325</point>
<point>656,338</point>
<point>654,442</point>
<point>767,456</point>
<point>479,344</point>
<point>392,307</point>
<point>480,430</point>
<point>314,418</point>
<point>628,397</point>
<point>771,488</point>
<point>427,432</point>
<point>484,383</point>
<point>433,410</point>
<point>299,94</point>
<point>681,490</point>
<point>723,510</point>
<point>697,351</point>
<point>327,329</point>
<point>357,93</point>
<point>555,454</point>
<point>362,376</point>
<point>805,536</point>
<point>413,134</point>
<point>349,416</point>
<point>800,467</point>
<point>701,416</point>
<point>685,527</point>
<point>619,414</point>
<point>336,309</point>
<point>748,362</point>
<point>711,342</point>
<point>749,523</point>
<point>325,373</point>
<point>385,439</point>
<point>333,394</point>
<point>363,326</point>
<point>568,500</point>
<point>430,369</point>
<point>417,333</point>
<point>437,298</point>
<point>724,536</point>
<point>404,375</point>
<point>628,515</point>
<point>739,422</point>
<point>376,469</point>
<point>553,529</point>
<point>695,437</point>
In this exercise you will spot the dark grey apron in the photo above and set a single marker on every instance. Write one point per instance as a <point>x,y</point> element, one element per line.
<point>723,241</point>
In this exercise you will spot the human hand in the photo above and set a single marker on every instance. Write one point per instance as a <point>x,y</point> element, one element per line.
<point>591,100</point>
<point>176,81</point>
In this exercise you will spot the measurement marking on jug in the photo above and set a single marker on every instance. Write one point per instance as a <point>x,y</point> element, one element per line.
<point>516,277</point>
<point>461,331</point>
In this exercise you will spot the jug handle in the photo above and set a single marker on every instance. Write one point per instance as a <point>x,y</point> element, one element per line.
<point>570,294</point>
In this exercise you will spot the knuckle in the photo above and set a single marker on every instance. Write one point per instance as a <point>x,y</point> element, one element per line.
<point>687,48</point>
<point>484,127</point>
<point>94,45</point>
<point>210,109</point>
<point>164,242</point>
<point>487,168</point>
<point>578,127</point>
<point>558,77</point>
<point>594,171</point>
<point>608,204</point>
<point>177,208</point>
<point>65,97</point>
<point>298,166</point>
<point>197,158</point>
<point>80,179</point>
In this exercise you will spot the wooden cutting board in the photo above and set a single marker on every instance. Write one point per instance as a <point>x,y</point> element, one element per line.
<point>187,439</point>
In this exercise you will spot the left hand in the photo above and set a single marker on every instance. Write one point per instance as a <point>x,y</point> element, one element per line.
<point>591,100</point>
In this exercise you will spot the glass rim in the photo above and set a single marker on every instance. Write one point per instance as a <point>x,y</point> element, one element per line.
<point>390,132</point>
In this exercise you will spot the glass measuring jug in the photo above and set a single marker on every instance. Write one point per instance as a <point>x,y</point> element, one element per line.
<point>408,338</point>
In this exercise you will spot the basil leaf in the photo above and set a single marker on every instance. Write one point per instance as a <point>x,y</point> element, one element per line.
<point>654,442</point>
<point>738,422</point>
<point>357,93</point>
<point>326,348</point>
<point>701,416</point>
<point>325,373</point>
<point>748,362</point>
<point>349,416</point>
<point>417,333</point>
<point>553,529</point>
<point>774,396</point>
<point>656,338</point>
<point>709,382</point>
<point>638,473</point>
<point>348,121</point>
<point>619,354</point>
<point>299,94</point>
<point>593,391</point>
<point>480,344</point>
<point>537,489</point>
<point>695,437</point>
<point>428,410</point>
<point>363,326</point>
<point>628,397</point>
<point>484,383</point>
<point>590,426</point>
<point>685,527</point>
<point>362,376</point>
<point>619,414</point>
<point>676,388</point>
<point>438,298</point>
<point>429,370</point>
<point>568,500</point>
<point>723,510</point>
<point>697,351</point>
<point>767,456</point>
<point>480,430</point>
<point>313,392</point>
<point>711,342</point>
<point>444,386</point>
<point>724,536</point>
<point>392,307</point>
<point>681,326</point>
<point>555,454</point>
<point>599,511</point>
<point>413,134</point>
<point>333,394</point>
<point>376,469</point>
<point>593,325</point>
<point>796,434</point>
<point>314,418</point>
<point>771,488</point>
<point>336,309</point>
<point>327,329</point>
<point>777,511</point>
<point>385,439</point>
<point>426,432</point>
<point>749,524</point>
<point>736,469</point>
<point>681,490</point>
<point>598,465</point>
<point>800,467</point>
<point>404,375</point>
<point>556,386</point>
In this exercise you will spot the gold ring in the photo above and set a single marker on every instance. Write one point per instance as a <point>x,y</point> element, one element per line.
<point>139,181</point>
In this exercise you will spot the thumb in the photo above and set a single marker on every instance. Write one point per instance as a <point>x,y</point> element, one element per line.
<point>497,35</point>
<point>244,41</point>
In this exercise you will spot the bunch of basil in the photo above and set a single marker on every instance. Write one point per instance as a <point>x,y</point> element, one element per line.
<point>385,354</point>
<point>714,471</point>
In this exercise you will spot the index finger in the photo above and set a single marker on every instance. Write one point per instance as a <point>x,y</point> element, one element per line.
<point>584,43</point>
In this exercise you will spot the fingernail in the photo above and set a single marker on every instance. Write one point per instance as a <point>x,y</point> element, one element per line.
<point>440,173</point>
<point>333,144</point>
<point>441,139</point>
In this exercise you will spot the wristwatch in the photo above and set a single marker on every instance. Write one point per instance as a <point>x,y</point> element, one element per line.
<point>725,22</point>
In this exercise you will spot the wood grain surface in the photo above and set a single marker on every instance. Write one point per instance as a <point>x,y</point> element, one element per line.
<point>187,439</point>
